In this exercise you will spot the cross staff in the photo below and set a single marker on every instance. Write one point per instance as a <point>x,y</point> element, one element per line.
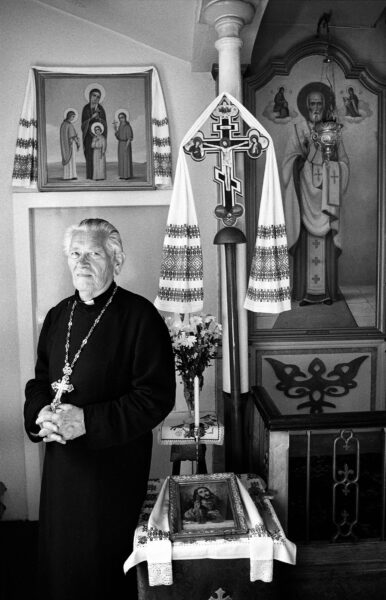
<point>60,386</point>
<point>226,140</point>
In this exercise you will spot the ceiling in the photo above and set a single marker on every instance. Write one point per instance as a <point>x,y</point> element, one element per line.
<point>178,28</point>
<point>345,13</point>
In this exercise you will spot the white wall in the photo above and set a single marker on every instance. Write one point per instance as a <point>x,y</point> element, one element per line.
<point>33,34</point>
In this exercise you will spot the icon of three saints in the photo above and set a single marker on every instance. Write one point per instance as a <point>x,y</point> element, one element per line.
<point>94,139</point>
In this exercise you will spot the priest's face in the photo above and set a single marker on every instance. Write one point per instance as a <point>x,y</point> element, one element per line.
<point>90,263</point>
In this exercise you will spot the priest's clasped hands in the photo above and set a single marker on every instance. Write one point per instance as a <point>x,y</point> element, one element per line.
<point>67,423</point>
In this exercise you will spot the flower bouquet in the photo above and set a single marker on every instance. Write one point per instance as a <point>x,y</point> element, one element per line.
<point>194,344</point>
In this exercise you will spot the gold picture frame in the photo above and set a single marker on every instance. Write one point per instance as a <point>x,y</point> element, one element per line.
<point>205,506</point>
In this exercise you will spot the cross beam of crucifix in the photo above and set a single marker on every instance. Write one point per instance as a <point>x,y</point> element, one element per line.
<point>225,141</point>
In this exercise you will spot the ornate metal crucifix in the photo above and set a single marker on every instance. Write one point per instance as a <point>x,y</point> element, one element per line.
<point>226,140</point>
<point>60,386</point>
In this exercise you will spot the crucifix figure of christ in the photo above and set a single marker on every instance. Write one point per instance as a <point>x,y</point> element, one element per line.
<point>225,141</point>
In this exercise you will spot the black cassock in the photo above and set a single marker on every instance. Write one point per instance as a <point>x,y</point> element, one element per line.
<point>93,487</point>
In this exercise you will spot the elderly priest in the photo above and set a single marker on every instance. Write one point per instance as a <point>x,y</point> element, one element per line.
<point>104,379</point>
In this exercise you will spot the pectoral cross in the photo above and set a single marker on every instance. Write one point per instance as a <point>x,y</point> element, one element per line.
<point>225,141</point>
<point>60,386</point>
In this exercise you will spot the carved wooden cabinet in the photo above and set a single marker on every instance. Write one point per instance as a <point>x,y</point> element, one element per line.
<point>326,472</point>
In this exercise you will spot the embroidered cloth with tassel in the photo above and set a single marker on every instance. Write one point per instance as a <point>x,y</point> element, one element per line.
<point>181,278</point>
<point>25,168</point>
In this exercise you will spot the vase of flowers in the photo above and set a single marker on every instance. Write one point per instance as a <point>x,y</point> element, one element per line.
<point>195,343</point>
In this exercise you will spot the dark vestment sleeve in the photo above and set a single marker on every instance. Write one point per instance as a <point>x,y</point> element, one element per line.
<point>151,393</point>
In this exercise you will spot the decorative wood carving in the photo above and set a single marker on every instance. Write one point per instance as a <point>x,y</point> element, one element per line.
<point>338,382</point>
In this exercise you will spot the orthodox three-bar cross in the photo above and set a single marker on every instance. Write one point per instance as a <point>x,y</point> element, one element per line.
<point>226,140</point>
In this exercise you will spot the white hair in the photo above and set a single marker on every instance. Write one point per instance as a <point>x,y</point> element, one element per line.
<point>112,239</point>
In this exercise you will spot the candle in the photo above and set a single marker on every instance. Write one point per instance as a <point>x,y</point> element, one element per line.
<point>196,402</point>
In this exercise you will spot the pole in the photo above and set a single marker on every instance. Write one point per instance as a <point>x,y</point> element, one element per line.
<point>229,237</point>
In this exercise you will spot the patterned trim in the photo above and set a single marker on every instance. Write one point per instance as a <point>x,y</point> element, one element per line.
<point>27,143</point>
<point>272,296</point>
<point>160,122</point>
<point>270,264</point>
<point>162,164</point>
<point>182,263</point>
<point>154,484</point>
<point>258,530</point>
<point>25,167</point>
<point>162,173</point>
<point>156,534</point>
<point>277,535</point>
<point>161,141</point>
<point>183,231</point>
<point>151,497</point>
<point>28,123</point>
<point>181,296</point>
<point>271,231</point>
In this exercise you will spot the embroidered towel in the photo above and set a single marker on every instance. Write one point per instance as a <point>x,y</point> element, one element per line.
<point>181,278</point>
<point>25,167</point>
<point>159,546</point>
<point>260,543</point>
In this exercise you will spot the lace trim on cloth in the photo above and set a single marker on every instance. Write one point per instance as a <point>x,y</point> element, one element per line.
<point>25,166</point>
<point>160,574</point>
<point>261,570</point>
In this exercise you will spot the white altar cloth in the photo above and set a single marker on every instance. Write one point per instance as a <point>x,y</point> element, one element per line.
<point>264,542</point>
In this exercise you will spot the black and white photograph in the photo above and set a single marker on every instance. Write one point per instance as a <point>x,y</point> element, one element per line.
<point>193,306</point>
